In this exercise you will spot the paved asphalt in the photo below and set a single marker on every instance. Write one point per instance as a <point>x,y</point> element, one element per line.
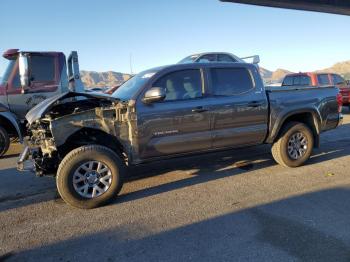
<point>230,206</point>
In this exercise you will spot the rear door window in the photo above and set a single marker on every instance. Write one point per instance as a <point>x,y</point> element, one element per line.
<point>323,79</point>
<point>230,81</point>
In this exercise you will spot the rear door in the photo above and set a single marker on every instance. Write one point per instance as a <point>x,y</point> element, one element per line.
<point>180,123</point>
<point>45,77</point>
<point>239,107</point>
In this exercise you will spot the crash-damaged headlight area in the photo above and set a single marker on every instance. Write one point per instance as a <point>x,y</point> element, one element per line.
<point>41,150</point>
<point>66,125</point>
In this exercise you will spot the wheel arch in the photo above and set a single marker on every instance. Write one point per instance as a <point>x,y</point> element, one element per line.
<point>88,136</point>
<point>307,117</point>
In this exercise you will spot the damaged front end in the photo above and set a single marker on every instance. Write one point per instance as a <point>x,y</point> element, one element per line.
<point>40,152</point>
<point>72,120</point>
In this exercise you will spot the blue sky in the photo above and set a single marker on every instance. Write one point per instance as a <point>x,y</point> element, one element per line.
<point>158,32</point>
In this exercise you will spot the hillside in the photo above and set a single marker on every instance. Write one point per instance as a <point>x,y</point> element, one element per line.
<point>103,79</point>
<point>265,74</point>
<point>271,77</point>
<point>110,78</point>
<point>279,75</point>
<point>342,68</point>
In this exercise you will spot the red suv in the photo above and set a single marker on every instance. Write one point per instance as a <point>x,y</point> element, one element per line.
<point>320,79</point>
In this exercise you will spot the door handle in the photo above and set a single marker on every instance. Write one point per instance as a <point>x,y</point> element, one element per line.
<point>199,109</point>
<point>254,104</point>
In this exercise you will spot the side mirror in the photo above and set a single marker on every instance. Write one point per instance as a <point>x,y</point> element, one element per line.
<point>24,71</point>
<point>155,94</point>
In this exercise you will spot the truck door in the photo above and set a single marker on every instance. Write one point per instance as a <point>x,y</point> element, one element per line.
<point>45,75</point>
<point>180,123</point>
<point>239,107</point>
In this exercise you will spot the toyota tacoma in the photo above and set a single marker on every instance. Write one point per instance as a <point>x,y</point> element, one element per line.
<point>88,141</point>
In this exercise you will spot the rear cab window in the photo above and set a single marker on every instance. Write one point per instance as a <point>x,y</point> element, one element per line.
<point>296,80</point>
<point>305,80</point>
<point>230,81</point>
<point>288,81</point>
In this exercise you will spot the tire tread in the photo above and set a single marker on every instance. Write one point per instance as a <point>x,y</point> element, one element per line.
<point>70,157</point>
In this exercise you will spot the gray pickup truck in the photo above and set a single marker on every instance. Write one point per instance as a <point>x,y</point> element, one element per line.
<point>88,141</point>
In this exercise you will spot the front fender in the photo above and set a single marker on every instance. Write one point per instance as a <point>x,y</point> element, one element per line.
<point>12,119</point>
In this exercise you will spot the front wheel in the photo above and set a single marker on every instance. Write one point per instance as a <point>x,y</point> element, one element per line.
<point>294,145</point>
<point>90,176</point>
<point>4,141</point>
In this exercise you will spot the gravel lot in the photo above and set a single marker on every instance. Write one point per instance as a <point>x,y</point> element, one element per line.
<point>229,206</point>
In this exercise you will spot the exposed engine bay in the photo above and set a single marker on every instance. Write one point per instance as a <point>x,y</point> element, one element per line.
<point>73,107</point>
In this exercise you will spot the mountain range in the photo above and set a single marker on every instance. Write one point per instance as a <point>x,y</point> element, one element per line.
<point>103,79</point>
<point>271,77</point>
<point>110,78</point>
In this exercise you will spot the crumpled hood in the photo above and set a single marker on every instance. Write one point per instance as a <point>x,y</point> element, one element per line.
<point>43,107</point>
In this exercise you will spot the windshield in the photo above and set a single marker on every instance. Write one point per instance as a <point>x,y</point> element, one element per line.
<point>127,90</point>
<point>8,71</point>
<point>189,59</point>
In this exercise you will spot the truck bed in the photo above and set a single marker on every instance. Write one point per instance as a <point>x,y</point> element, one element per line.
<point>319,101</point>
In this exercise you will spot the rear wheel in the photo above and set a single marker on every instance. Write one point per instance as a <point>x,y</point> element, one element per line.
<point>90,176</point>
<point>4,141</point>
<point>294,145</point>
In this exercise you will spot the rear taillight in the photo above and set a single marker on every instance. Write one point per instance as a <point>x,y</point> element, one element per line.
<point>339,101</point>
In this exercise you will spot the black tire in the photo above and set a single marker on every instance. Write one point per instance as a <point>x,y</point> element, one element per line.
<point>280,147</point>
<point>78,157</point>
<point>4,141</point>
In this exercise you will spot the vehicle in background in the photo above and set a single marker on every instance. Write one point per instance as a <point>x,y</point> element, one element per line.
<point>320,79</point>
<point>169,112</point>
<point>217,57</point>
<point>47,76</point>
